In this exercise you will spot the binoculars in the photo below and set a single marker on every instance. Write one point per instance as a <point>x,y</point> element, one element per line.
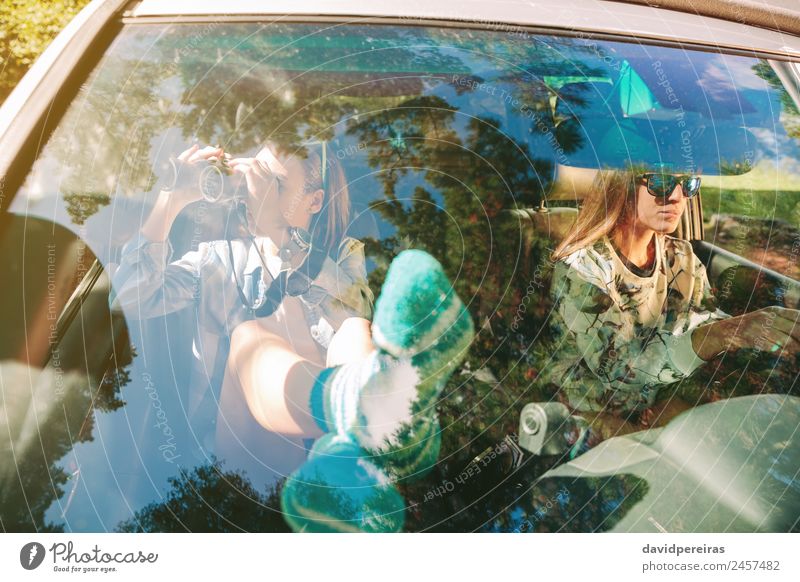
<point>218,184</point>
<point>214,178</point>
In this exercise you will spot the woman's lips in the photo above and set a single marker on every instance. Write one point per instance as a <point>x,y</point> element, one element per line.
<point>670,214</point>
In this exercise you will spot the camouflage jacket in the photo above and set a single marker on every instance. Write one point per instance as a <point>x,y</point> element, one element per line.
<point>621,335</point>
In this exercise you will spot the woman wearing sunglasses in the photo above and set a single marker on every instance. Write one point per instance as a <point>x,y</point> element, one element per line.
<point>633,307</point>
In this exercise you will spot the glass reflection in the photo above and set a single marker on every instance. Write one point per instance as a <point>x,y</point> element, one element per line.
<point>469,145</point>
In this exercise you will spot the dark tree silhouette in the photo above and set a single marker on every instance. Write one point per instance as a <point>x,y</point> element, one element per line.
<point>211,499</point>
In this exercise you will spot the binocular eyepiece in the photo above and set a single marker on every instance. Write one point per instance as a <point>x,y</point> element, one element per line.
<point>214,178</point>
<point>218,183</point>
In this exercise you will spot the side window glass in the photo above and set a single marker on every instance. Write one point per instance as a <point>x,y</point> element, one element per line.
<point>752,208</point>
<point>121,301</point>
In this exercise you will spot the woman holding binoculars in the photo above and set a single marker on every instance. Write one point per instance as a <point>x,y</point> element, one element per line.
<point>286,313</point>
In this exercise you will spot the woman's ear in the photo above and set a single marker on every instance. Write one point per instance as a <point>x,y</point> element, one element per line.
<point>317,199</point>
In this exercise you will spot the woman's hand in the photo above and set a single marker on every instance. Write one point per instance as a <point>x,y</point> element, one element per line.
<point>188,166</point>
<point>263,174</point>
<point>185,190</point>
<point>771,329</point>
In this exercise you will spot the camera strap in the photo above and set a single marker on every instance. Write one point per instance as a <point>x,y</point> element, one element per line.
<point>290,282</point>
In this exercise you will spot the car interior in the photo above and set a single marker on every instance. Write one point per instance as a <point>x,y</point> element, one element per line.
<point>428,140</point>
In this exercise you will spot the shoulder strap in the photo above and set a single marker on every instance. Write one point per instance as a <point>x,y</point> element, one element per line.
<point>297,283</point>
<point>242,297</point>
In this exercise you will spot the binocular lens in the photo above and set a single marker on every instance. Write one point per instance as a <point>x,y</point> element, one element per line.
<point>218,186</point>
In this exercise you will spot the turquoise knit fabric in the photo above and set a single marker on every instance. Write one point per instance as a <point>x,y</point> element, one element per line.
<point>421,331</point>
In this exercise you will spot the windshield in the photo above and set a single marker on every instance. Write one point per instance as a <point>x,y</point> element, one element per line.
<point>448,139</point>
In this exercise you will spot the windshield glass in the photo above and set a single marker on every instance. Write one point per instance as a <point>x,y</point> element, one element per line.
<point>448,139</point>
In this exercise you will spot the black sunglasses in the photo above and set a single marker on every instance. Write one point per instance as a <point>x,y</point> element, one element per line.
<point>662,185</point>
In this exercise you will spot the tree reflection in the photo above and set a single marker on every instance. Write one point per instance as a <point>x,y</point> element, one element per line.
<point>211,499</point>
<point>570,505</point>
<point>36,467</point>
<point>245,83</point>
<point>461,129</point>
<point>790,113</point>
<point>463,216</point>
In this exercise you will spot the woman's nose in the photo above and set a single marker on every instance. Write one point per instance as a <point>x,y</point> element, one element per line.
<point>676,195</point>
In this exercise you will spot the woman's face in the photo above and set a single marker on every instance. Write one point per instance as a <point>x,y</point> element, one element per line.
<point>290,204</point>
<point>295,203</point>
<point>659,214</point>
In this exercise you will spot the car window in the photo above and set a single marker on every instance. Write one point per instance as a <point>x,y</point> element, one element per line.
<point>449,139</point>
<point>753,207</point>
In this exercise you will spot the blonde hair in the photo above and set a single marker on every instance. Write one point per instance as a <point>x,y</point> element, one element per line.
<point>610,202</point>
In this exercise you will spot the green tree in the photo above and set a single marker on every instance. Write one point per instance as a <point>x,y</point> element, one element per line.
<point>26,28</point>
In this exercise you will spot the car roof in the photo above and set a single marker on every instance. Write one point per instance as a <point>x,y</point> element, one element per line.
<point>773,26</point>
<point>780,15</point>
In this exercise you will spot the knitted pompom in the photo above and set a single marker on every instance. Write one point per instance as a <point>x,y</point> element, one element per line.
<point>416,307</point>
